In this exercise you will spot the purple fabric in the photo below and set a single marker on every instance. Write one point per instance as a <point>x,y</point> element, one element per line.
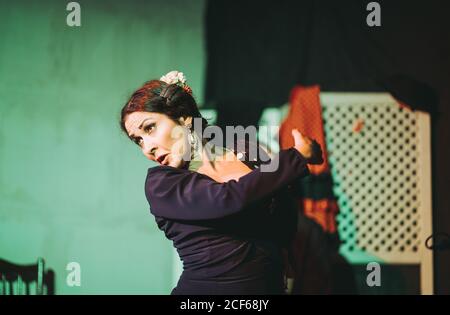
<point>228,235</point>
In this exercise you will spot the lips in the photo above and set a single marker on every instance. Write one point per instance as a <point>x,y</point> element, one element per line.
<point>162,159</point>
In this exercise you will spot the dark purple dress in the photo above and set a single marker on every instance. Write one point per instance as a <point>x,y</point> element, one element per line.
<point>228,235</point>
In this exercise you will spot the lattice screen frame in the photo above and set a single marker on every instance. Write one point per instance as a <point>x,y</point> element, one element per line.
<point>387,219</point>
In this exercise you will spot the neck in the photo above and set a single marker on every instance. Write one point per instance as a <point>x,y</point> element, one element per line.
<point>206,155</point>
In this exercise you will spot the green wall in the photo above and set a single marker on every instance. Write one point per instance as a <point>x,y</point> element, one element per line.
<point>71,185</point>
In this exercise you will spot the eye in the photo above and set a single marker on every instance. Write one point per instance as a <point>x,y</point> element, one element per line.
<point>148,128</point>
<point>138,141</point>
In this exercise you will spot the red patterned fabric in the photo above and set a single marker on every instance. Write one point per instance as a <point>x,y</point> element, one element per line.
<point>305,114</point>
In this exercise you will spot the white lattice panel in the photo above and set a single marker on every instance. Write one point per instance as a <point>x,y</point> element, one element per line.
<point>381,177</point>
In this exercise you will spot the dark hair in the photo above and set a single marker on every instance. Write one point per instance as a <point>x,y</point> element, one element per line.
<point>159,97</point>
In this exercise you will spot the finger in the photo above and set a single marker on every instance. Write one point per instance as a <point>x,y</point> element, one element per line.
<point>297,136</point>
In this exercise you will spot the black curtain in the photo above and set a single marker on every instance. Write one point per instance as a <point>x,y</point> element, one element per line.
<point>258,50</point>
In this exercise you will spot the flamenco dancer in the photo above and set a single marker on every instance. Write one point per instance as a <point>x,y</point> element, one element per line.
<point>229,220</point>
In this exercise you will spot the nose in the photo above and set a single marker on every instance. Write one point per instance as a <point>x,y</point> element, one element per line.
<point>149,149</point>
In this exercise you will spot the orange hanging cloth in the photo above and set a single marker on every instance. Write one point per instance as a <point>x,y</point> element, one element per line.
<point>316,197</point>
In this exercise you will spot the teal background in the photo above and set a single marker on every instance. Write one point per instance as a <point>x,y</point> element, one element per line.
<point>71,185</point>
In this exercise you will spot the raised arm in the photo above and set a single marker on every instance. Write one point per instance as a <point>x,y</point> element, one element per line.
<point>180,194</point>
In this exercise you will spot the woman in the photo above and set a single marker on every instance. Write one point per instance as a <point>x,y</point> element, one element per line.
<point>218,210</point>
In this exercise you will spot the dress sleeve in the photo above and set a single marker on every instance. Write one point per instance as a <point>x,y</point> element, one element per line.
<point>184,195</point>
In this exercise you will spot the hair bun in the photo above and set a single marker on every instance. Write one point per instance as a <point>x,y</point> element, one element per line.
<point>169,91</point>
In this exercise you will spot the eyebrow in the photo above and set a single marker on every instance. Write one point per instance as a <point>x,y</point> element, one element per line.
<point>140,126</point>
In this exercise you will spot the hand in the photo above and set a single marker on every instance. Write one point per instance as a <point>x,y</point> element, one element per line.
<point>309,148</point>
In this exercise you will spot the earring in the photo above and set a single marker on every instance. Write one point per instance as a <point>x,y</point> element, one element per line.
<point>192,139</point>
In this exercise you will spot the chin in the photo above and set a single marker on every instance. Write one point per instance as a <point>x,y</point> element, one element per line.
<point>176,162</point>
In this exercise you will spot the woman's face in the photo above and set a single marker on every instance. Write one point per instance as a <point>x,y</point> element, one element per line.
<point>160,138</point>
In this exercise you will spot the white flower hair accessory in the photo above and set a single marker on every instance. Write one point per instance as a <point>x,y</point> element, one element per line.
<point>178,78</point>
